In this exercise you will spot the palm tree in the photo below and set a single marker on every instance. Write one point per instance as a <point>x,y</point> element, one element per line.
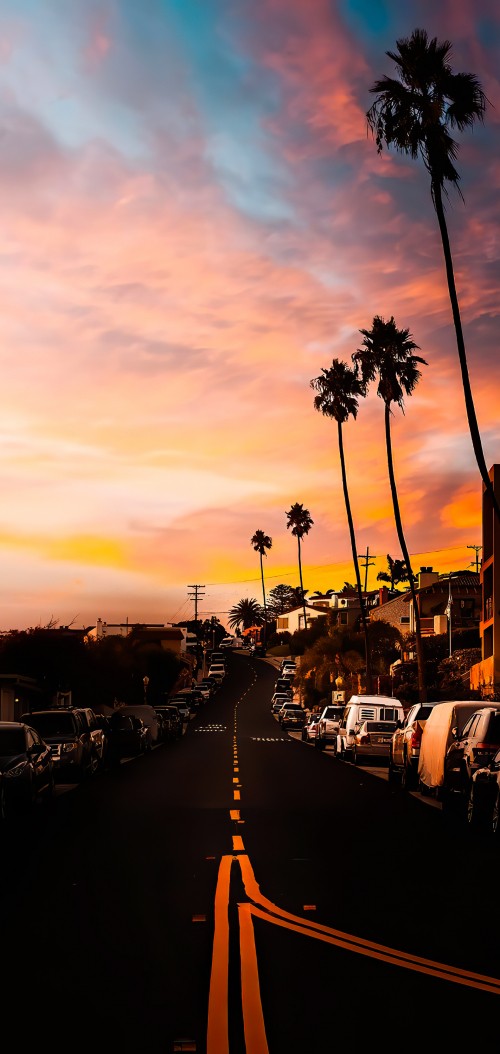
<point>416,113</point>
<point>245,613</point>
<point>339,388</point>
<point>397,572</point>
<point>299,519</point>
<point>261,542</point>
<point>387,354</point>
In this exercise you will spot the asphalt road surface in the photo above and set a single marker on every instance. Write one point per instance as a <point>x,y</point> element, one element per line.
<point>238,892</point>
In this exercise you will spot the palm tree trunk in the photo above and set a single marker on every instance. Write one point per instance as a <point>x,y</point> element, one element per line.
<point>369,684</point>
<point>462,355</point>
<point>302,584</point>
<point>264,599</point>
<point>422,689</point>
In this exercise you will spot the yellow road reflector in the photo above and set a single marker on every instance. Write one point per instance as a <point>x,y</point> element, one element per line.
<point>199,918</point>
<point>309,907</point>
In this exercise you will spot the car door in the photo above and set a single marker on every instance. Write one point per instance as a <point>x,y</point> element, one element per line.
<point>41,759</point>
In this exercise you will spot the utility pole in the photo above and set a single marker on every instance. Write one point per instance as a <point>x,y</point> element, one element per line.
<point>476,561</point>
<point>367,563</point>
<point>195,595</point>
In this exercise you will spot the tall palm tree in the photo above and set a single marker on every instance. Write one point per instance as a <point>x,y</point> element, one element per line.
<point>299,519</point>
<point>339,388</point>
<point>387,355</point>
<point>261,542</point>
<point>416,114</point>
<point>245,613</point>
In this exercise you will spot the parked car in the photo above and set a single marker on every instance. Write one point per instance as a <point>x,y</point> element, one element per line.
<point>310,728</point>
<point>483,804</point>
<point>95,729</point>
<point>283,684</point>
<point>329,726</point>
<point>129,736</point>
<point>193,696</point>
<point>183,707</point>
<point>372,741</point>
<point>405,746</point>
<point>217,670</point>
<point>227,642</point>
<point>469,750</point>
<point>365,708</point>
<point>73,753</point>
<point>281,697</point>
<point>210,683</point>
<point>146,714</point>
<point>288,669</point>
<point>291,715</point>
<point>445,722</point>
<point>172,721</point>
<point>26,766</point>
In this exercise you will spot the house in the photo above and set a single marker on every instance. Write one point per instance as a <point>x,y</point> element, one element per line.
<point>485,675</point>
<point>293,620</point>
<point>434,591</point>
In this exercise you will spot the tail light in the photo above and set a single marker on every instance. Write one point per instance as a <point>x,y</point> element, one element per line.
<point>416,737</point>
<point>365,738</point>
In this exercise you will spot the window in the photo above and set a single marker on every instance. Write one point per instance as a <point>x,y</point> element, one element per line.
<point>404,620</point>
<point>281,623</point>
<point>343,618</point>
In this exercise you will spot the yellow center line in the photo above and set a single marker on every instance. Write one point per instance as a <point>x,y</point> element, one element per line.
<point>236,795</point>
<point>253,1018</point>
<point>217,1027</point>
<point>238,846</point>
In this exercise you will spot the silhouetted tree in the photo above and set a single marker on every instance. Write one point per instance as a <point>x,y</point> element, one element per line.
<point>387,355</point>
<point>416,114</point>
<point>300,522</point>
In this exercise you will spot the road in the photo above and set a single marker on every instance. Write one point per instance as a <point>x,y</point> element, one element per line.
<point>238,892</point>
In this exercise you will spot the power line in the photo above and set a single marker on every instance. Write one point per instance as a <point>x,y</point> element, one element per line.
<point>324,567</point>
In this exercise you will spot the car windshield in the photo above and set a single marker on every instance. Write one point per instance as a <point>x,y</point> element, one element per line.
<point>12,741</point>
<point>53,724</point>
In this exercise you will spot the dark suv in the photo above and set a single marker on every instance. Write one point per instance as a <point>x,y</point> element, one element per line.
<point>72,749</point>
<point>470,750</point>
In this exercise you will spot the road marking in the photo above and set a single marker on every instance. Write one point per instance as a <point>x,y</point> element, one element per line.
<point>253,1018</point>
<point>236,795</point>
<point>234,814</point>
<point>272,913</point>
<point>217,1026</point>
<point>238,846</point>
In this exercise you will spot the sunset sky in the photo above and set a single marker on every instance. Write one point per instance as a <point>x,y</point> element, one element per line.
<point>194,222</point>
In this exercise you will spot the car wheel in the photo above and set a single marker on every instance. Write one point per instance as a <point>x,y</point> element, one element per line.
<point>354,756</point>
<point>318,743</point>
<point>405,776</point>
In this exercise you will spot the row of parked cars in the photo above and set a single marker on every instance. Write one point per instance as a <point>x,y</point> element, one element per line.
<point>447,749</point>
<point>69,745</point>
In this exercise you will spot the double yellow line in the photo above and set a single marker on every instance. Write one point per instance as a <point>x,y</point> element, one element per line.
<point>262,908</point>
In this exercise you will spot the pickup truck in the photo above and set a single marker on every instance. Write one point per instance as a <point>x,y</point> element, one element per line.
<point>328,727</point>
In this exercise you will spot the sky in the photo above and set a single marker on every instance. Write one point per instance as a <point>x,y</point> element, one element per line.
<point>194,223</point>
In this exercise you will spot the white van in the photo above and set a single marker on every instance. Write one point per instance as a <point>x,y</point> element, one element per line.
<point>445,720</point>
<point>365,708</point>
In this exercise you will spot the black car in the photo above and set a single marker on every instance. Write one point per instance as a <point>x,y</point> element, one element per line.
<point>128,736</point>
<point>171,722</point>
<point>471,749</point>
<point>483,805</point>
<point>73,753</point>
<point>25,764</point>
